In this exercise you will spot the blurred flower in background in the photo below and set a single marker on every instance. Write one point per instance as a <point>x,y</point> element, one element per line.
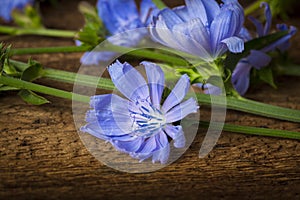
<point>7,6</point>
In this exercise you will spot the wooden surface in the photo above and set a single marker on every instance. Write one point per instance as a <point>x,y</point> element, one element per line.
<point>42,156</point>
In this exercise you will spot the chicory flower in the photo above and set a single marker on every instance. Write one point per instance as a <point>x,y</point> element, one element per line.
<point>202,28</point>
<point>139,125</point>
<point>119,16</point>
<point>7,6</point>
<point>259,58</point>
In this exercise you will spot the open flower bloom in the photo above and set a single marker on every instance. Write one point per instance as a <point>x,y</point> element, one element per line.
<point>259,59</point>
<point>140,125</point>
<point>7,6</point>
<point>202,28</point>
<point>119,16</point>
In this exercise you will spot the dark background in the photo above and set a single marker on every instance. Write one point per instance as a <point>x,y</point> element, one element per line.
<point>42,157</point>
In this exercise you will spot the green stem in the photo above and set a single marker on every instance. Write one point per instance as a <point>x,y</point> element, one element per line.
<point>42,50</point>
<point>141,53</point>
<point>17,83</point>
<point>253,107</point>
<point>257,131</point>
<point>233,103</point>
<point>159,4</point>
<point>42,32</point>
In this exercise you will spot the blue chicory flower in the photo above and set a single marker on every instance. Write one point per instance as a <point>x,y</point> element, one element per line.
<point>7,6</point>
<point>139,125</point>
<point>202,28</point>
<point>259,59</point>
<point>119,16</point>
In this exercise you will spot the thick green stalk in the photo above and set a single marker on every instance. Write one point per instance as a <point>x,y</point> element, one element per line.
<point>42,50</point>
<point>257,131</point>
<point>17,83</point>
<point>141,53</point>
<point>42,32</point>
<point>233,103</point>
<point>253,107</point>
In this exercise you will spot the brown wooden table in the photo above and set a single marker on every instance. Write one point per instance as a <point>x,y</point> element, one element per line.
<point>42,157</point>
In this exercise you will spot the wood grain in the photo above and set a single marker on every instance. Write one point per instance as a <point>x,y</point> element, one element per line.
<point>42,156</point>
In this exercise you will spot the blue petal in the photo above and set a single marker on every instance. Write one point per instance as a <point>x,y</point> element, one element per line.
<point>234,44</point>
<point>196,9</point>
<point>114,15</point>
<point>162,154</point>
<point>112,114</point>
<point>258,59</point>
<point>224,26</point>
<point>241,76</point>
<point>245,35</point>
<point>238,13</point>
<point>268,15</point>
<point>177,134</point>
<point>187,43</point>
<point>156,81</point>
<point>282,42</point>
<point>128,38</point>
<point>148,11</point>
<point>94,58</point>
<point>212,9</point>
<point>170,18</point>
<point>259,26</point>
<point>128,81</point>
<point>128,146</point>
<point>182,12</point>
<point>177,94</point>
<point>162,34</point>
<point>182,110</point>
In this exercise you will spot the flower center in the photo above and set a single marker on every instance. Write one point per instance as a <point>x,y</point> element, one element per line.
<point>147,120</point>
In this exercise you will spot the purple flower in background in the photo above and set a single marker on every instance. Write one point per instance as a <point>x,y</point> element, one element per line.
<point>140,125</point>
<point>259,59</point>
<point>119,16</point>
<point>202,28</point>
<point>7,6</point>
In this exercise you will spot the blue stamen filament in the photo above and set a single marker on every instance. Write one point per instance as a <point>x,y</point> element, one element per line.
<point>146,119</point>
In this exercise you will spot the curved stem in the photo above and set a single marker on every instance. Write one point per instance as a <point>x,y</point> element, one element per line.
<point>42,32</point>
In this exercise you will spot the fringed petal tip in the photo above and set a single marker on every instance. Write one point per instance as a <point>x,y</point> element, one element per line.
<point>234,44</point>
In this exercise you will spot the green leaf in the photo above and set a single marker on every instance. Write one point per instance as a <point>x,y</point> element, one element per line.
<point>93,31</point>
<point>194,75</point>
<point>266,75</point>
<point>32,98</point>
<point>10,69</point>
<point>30,18</point>
<point>255,44</point>
<point>33,72</point>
